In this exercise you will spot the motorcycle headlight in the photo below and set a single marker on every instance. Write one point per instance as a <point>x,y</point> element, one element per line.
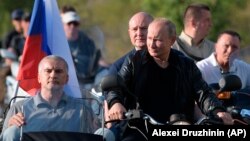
<point>224,95</point>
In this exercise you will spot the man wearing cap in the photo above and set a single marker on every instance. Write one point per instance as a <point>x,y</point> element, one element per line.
<point>16,16</point>
<point>17,44</point>
<point>85,54</point>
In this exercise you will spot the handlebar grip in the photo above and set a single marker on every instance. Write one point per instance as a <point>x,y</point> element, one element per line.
<point>133,114</point>
<point>178,119</point>
<point>209,121</point>
<point>216,121</point>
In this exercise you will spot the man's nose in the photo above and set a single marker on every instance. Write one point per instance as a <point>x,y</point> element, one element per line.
<point>53,73</point>
<point>139,31</point>
<point>230,49</point>
<point>151,43</point>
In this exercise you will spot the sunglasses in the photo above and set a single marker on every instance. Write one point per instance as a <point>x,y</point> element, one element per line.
<point>73,23</point>
<point>17,19</point>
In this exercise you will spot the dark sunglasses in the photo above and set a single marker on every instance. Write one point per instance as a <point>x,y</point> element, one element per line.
<point>17,19</point>
<point>74,23</point>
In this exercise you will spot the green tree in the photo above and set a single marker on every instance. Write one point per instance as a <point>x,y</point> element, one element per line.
<point>111,16</point>
<point>225,14</point>
<point>6,7</point>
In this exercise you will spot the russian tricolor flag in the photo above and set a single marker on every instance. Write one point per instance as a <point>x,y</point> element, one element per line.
<point>46,36</point>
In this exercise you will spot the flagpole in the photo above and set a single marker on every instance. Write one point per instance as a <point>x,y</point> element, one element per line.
<point>46,36</point>
<point>16,91</point>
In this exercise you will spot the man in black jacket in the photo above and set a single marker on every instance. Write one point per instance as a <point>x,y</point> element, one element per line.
<point>162,82</point>
<point>16,17</point>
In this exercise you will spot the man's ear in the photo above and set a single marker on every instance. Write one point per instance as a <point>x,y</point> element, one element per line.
<point>215,45</point>
<point>67,79</point>
<point>194,23</point>
<point>173,39</point>
<point>38,79</point>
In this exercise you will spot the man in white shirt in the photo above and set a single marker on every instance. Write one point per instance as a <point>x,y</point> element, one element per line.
<point>224,60</point>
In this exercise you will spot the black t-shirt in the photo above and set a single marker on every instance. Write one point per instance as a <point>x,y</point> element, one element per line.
<point>157,97</point>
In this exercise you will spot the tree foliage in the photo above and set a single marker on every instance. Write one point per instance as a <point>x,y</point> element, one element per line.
<point>6,7</point>
<point>226,14</point>
<point>111,17</point>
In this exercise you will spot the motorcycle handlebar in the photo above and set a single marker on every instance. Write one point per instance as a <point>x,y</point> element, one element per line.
<point>175,119</point>
<point>209,121</point>
<point>133,114</point>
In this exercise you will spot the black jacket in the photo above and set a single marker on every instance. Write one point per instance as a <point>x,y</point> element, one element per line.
<point>189,85</point>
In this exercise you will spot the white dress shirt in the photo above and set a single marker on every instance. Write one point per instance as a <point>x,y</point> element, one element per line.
<point>211,71</point>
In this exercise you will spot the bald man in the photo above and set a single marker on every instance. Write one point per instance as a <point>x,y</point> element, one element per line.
<point>137,30</point>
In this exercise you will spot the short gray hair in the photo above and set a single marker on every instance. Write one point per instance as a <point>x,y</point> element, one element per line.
<point>168,24</point>
<point>54,57</point>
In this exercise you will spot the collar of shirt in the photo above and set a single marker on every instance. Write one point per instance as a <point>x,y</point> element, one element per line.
<point>189,40</point>
<point>39,101</point>
<point>214,62</point>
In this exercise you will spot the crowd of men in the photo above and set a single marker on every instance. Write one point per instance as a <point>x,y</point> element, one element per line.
<point>164,74</point>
